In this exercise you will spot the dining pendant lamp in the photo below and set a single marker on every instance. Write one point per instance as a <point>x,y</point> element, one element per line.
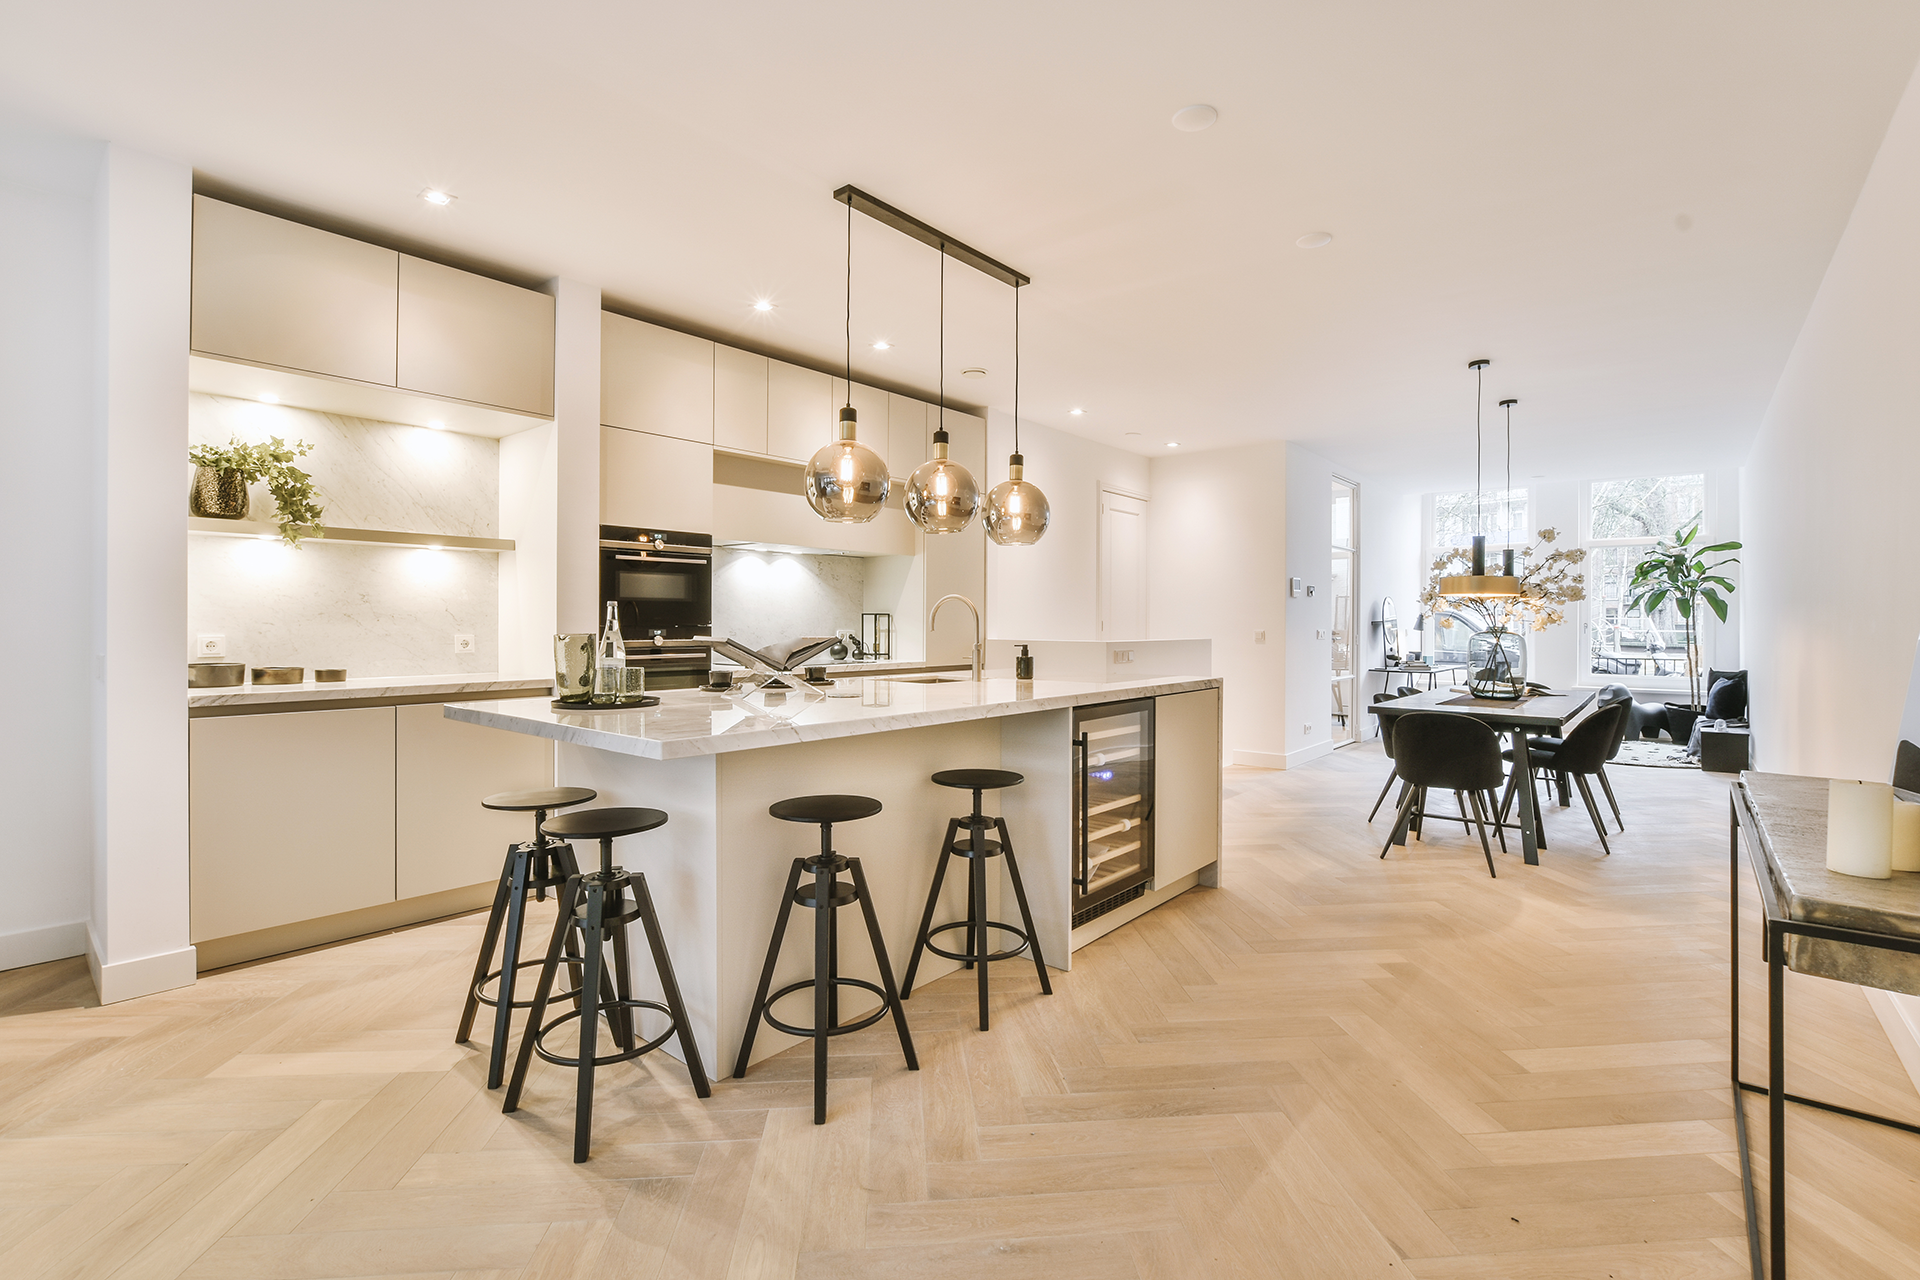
<point>1017,512</point>
<point>1478,582</point>
<point>941,494</point>
<point>846,482</point>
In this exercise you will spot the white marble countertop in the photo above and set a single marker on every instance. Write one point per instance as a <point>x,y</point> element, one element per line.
<point>363,687</point>
<point>691,723</point>
<point>857,666</point>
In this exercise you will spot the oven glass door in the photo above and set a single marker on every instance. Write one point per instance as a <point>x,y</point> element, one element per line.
<point>658,591</point>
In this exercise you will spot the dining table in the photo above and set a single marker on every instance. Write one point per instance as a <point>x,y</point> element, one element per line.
<point>1552,713</point>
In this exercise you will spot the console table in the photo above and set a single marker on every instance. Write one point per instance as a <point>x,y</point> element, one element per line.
<point>1815,921</point>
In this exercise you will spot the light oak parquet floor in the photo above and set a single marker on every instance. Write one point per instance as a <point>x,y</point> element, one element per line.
<point>1333,1066</point>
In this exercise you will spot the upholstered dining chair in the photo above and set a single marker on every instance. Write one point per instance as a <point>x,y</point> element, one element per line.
<point>1451,753</point>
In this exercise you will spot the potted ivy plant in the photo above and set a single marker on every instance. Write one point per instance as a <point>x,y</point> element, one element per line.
<point>224,471</point>
<point>1687,575</point>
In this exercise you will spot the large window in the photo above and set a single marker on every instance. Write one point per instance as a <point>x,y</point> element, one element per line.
<point>1624,519</point>
<point>1500,513</point>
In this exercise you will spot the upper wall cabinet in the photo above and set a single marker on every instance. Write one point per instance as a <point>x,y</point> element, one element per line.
<point>800,411</point>
<point>275,292</point>
<point>472,338</point>
<point>740,400</point>
<point>272,292</point>
<point>656,380</point>
<point>908,443</point>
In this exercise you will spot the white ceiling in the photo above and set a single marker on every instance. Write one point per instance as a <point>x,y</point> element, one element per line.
<point>1503,178</point>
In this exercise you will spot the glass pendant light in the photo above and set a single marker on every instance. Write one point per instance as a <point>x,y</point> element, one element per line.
<point>846,482</point>
<point>1017,512</point>
<point>1478,582</point>
<point>941,494</point>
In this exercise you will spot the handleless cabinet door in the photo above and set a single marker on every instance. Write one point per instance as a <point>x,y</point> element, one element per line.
<point>870,404</point>
<point>655,481</point>
<point>1187,753</point>
<point>909,439</point>
<point>290,817</point>
<point>739,400</point>
<point>800,411</point>
<point>655,380</point>
<point>443,768</point>
<point>275,292</point>
<point>470,338</point>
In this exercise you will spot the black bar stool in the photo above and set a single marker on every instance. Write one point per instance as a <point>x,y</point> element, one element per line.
<point>598,906</point>
<point>977,848</point>
<point>539,865</point>
<point>825,896</point>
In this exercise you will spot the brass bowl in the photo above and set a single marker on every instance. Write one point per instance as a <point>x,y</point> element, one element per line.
<point>279,675</point>
<point>329,675</point>
<point>216,675</point>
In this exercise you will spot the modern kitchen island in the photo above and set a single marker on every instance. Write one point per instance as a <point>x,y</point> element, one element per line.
<point>715,762</point>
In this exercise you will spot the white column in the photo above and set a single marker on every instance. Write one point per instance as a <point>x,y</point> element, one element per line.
<point>576,420</point>
<point>138,939</point>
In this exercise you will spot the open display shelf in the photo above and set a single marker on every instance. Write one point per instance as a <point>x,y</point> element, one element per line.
<point>359,537</point>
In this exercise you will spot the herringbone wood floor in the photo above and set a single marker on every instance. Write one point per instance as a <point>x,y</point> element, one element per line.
<point>1334,1066</point>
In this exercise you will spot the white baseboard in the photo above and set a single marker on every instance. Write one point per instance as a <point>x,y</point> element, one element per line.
<point>37,946</point>
<point>145,976</point>
<point>1297,758</point>
<point>1258,759</point>
<point>1900,1016</point>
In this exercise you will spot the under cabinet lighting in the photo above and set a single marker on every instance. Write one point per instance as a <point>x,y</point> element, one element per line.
<point>437,425</point>
<point>432,196</point>
<point>269,399</point>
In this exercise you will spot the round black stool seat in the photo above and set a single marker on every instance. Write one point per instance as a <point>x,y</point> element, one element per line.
<point>825,808</point>
<point>604,824</point>
<point>977,779</point>
<point>551,798</point>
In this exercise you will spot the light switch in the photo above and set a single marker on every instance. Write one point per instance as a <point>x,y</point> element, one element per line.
<point>1319,635</point>
<point>1259,637</point>
<point>1293,586</point>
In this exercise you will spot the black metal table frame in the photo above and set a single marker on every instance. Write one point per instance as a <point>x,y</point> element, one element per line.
<point>1775,928</point>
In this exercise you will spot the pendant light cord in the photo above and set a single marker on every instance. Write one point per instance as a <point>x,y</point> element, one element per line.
<point>849,301</point>
<point>1479,501</point>
<point>1016,368</point>
<point>1507,497</point>
<point>943,337</point>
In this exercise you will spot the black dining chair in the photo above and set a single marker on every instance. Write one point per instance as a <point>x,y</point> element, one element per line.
<point>1451,753</point>
<point>1542,749</point>
<point>1386,743</point>
<point>1580,755</point>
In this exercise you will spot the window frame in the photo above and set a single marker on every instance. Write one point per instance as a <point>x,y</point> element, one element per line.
<point>1583,616</point>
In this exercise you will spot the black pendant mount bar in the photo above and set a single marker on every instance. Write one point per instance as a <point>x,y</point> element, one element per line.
<point>907,224</point>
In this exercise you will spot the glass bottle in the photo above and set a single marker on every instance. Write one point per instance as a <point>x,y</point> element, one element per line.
<point>610,660</point>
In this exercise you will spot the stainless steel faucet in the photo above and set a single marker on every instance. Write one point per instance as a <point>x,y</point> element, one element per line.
<point>979,640</point>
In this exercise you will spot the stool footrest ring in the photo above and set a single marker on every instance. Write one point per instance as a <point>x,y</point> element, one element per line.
<point>493,1002</point>
<point>967,957</point>
<point>964,849</point>
<point>843,1028</point>
<point>606,1006</point>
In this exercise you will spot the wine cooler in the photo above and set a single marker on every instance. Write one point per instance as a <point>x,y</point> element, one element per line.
<point>1112,806</point>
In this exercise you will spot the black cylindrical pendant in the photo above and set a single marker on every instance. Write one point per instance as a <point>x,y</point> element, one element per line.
<point>1479,555</point>
<point>1506,562</point>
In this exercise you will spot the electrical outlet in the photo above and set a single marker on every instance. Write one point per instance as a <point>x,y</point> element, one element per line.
<point>210,646</point>
<point>1122,655</point>
<point>463,644</point>
<point>1306,728</point>
<point>1259,637</point>
<point>1319,634</point>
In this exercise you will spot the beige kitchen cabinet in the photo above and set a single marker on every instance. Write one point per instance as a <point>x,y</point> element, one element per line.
<point>1187,754</point>
<point>870,403</point>
<point>290,817</point>
<point>442,838</point>
<point>655,481</point>
<point>275,292</point>
<point>655,380</point>
<point>740,400</point>
<point>800,411</point>
<point>909,441</point>
<point>467,337</point>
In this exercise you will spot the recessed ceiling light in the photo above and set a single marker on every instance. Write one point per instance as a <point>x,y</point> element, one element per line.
<point>1315,240</point>
<point>1173,444</point>
<point>1076,412</point>
<point>437,425</point>
<point>1194,118</point>
<point>881,344</point>
<point>763,304</point>
<point>269,399</point>
<point>1131,434</point>
<point>432,196</point>
<point>975,372</point>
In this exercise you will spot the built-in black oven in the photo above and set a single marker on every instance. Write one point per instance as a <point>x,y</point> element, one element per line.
<point>662,580</point>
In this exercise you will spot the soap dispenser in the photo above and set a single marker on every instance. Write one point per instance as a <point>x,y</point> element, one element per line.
<point>1023,665</point>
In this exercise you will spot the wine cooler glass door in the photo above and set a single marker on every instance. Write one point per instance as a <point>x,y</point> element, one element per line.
<point>1113,800</point>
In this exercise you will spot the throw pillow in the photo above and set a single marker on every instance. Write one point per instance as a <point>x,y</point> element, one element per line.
<point>1738,693</point>
<point>1727,700</point>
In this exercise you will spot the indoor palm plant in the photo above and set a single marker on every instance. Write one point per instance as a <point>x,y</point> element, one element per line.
<point>1677,570</point>
<point>225,471</point>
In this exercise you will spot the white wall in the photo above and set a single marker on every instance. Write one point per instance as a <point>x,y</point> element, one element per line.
<point>1832,603</point>
<point>1392,563</point>
<point>1049,591</point>
<point>46,445</point>
<point>1217,566</point>
<point>1309,615</point>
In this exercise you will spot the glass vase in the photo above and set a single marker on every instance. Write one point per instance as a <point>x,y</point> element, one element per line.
<point>1497,663</point>
<point>573,668</point>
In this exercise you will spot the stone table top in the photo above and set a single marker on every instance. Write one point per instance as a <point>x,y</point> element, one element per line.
<point>1790,814</point>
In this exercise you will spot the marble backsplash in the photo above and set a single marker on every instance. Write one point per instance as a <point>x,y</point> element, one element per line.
<point>763,598</point>
<point>374,610</point>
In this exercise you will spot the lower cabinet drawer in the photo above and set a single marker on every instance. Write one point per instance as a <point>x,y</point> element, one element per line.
<point>290,817</point>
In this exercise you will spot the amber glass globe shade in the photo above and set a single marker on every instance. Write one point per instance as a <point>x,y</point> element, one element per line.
<point>941,494</point>
<point>1017,512</point>
<point>846,482</point>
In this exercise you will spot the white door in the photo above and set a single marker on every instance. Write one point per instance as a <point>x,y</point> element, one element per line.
<point>1123,567</point>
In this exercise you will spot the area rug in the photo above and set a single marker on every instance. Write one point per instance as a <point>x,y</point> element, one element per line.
<point>1655,755</point>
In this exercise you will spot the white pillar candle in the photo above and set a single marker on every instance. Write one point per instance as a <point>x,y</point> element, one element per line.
<point>1906,835</point>
<point>1860,828</point>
